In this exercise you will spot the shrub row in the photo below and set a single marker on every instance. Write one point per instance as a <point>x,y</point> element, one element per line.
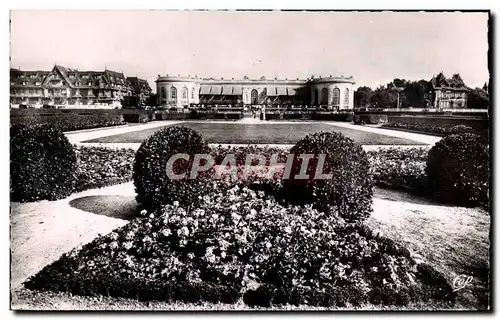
<point>70,121</point>
<point>435,129</point>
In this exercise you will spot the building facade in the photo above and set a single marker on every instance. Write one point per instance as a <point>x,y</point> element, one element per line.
<point>69,88</point>
<point>446,93</point>
<point>331,92</point>
<point>140,88</point>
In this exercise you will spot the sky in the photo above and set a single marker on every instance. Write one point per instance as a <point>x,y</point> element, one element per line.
<point>372,47</point>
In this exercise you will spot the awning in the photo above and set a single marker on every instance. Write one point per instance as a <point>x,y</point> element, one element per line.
<point>281,91</point>
<point>238,90</point>
<point>292,91</point>
<point>216,90</point>
<point>205,89</point>
<point>227,90</point>
<point>271,91</point>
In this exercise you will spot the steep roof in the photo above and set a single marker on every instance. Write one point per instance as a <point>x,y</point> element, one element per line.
<point>441,82</point>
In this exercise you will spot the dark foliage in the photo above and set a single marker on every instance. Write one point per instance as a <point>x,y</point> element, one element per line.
<point>349,192</point>
<point>42,164</point>
<point>69,121</point>
<point>458,169</point>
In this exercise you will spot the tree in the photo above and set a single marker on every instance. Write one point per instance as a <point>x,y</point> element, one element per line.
<point>478,99</point>
<point>362,97</point>
<point>414,93</point>
<point>384,98</point>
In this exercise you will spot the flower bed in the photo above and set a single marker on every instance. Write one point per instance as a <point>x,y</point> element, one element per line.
<point>242,244</point>
<point>401,169</point>
<point>99,167</point>
<point>437,129</point>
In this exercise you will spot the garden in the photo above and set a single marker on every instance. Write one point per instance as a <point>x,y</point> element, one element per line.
<point>263,242</point>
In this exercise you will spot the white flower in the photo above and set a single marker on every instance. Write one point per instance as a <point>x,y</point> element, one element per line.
<point>223,254</point>
<point>151,216</point>
<point>268,245</point>
<point>176,203</point>
<point>128,245</point>
<point>288,229</point>
<point>166,232</point>
<point>144,212</point>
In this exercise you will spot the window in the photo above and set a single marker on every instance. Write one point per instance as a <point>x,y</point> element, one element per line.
<point>336,96</point>
<point>163,93</point>
<point>38,83</point>
<point>346,97</point>
<point>254,95</point>
<point>192,94</point>
<point>324,96</point>
<point>89,84</point>
<point>173,93</point>
<point>184,93</point>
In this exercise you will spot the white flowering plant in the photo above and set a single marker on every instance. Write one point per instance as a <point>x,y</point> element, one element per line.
<point>238,244</point>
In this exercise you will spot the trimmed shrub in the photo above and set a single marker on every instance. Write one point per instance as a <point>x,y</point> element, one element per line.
<point>153,187</point>
<point>42,164</point>
<point>458,169</point>
<point>349,192</point>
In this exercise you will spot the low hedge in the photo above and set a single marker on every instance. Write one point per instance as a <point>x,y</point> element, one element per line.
<point>69,121</point>
<point>42,164</point>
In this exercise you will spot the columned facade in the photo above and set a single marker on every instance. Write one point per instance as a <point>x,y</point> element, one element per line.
<point>334,93</point>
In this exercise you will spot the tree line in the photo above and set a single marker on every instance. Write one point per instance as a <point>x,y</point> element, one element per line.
<point>412,94</point>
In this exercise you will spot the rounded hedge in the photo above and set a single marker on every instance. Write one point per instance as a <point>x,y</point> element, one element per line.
<point>42,163</point>
<point>153,187</point>
<point>349,192</point>
<point>458,169</point>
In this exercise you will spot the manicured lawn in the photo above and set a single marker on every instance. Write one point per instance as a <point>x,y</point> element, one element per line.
<point>260,133</point>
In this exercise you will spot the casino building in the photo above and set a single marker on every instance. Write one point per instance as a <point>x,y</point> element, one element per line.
<point>336,93</point>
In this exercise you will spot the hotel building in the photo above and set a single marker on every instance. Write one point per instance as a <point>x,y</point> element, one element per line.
<point>331,92</point>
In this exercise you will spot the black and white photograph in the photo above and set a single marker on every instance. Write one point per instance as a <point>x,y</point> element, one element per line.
<point>250,160</point>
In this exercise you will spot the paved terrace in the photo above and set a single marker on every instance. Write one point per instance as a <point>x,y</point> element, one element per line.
<point>77,137</point>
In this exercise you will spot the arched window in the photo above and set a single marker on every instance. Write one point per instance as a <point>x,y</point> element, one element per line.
<point>254,95</point>
<point>173,93</point>
<point>324,96</point>
<point>316,98</point>
<point>184,93</point>
<point>336,96</point>
<point>346,97</point>
<point>192,94</point>
<point>163,93</point>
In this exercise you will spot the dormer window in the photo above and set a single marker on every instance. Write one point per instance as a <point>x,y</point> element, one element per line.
<point>89,84</point>
<point>24,83</point>
<point>38,83</point>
